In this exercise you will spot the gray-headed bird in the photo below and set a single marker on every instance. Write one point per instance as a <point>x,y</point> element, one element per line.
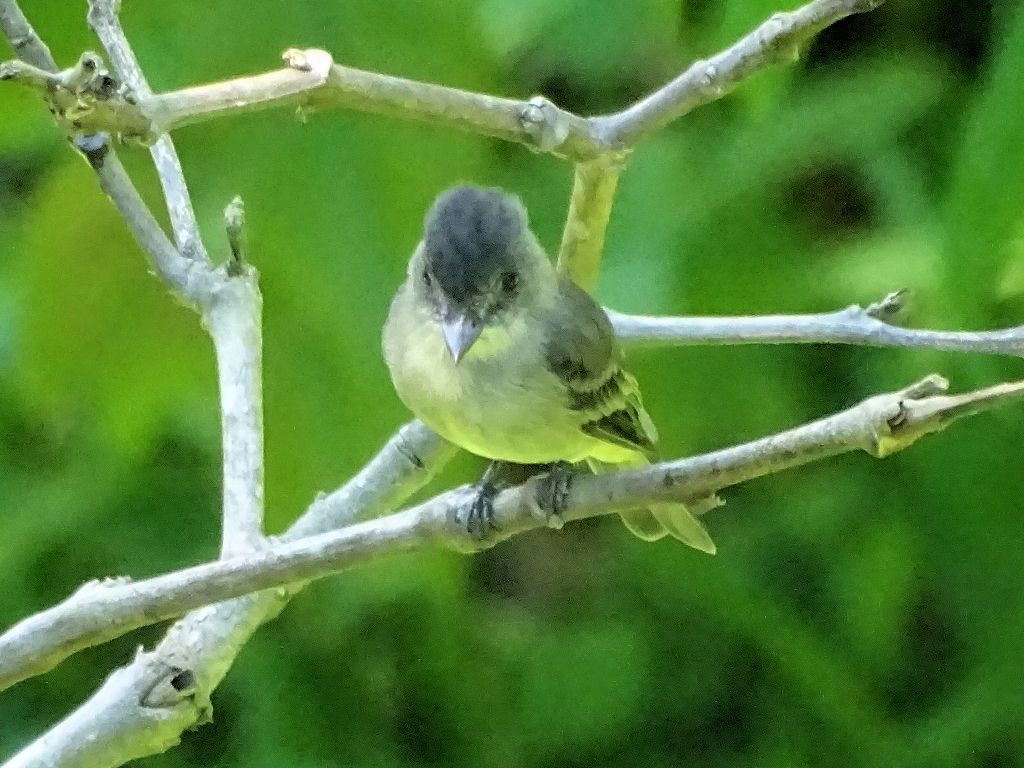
<point>501,355</point>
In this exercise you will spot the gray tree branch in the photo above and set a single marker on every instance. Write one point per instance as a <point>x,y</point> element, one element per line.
<point>311,80</point>
<point>144,707</point>
<point>229,301</point>
<point>866,326</point>
<point>100,611</point>
<point>776,41</point>
<point>103,19</point>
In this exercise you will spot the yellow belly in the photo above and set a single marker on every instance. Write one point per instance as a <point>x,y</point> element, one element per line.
<point>499,402</point>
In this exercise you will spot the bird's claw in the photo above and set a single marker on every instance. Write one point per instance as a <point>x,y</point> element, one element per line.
<point>480,520</point>
<point>553,493</point>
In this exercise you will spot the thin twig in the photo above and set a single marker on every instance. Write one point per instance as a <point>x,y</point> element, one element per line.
<point>106,24</point>
<point>191,279</point>
<point>853,325</point>
<point>881,425</point>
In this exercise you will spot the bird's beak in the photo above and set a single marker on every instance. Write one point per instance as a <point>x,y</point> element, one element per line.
<point>460,330</point>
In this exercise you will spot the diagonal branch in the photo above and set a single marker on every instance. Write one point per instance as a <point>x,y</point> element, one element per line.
<point>26,43</point>
<point>881,425</point>
<point>870,326</point>
<point>775,41</point>
<point>144,707</point>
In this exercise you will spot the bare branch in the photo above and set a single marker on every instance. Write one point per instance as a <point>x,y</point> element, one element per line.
<point>26,43</point>
<point>144,707</point>
<point>881,425</point>
<point>853,325</point>
<point>775,41</point>
<point>233,318</point>
<point>105,23</point>
<point>191,283</point>
<point>191,279</point>
<point>313,80</point>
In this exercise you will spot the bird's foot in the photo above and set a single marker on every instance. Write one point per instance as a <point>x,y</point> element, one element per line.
<point>553,493</point>
<point>480,520</point>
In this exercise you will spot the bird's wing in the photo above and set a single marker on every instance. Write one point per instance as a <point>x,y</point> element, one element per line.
<point>588,362</point>
<point>585,357</point>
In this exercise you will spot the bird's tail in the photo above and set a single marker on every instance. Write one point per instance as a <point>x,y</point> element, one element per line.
<point>663,519</point>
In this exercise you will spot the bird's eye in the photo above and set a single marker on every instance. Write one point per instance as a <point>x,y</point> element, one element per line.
<point>426,279</point>
<point>509,281</point>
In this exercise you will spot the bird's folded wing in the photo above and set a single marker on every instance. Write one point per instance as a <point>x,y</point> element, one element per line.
<point>583,354</point>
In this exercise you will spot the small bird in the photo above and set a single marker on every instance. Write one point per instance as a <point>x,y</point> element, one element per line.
<point>501,355</point>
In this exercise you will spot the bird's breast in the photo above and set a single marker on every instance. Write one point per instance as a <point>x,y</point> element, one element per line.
<point>500,401</point>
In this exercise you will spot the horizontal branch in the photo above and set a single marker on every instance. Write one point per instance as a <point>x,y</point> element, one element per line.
<point>880,425</point>
<point>870,326</point>
<point>311,79</point>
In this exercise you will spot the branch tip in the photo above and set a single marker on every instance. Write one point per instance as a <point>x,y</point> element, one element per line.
<point>234,223</point>
<point>889,307</point>
<point>930,385</point>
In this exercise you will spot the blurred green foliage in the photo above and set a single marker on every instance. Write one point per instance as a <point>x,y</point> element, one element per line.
<point>860,613</point>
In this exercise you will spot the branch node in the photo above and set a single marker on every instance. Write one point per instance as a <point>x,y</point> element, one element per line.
<point>95,586</point>
<point>314,60</point>
<point>94,147</point>
<point>85,99</point>
<point>184,682</point>
<point>176,686</point>
<point>701,506</point>
<point>546,123</point>
<point>773,38</point>
<point>933,384</point>
<point>709,81</point>
<point>403,447</point>
<point>916,411</point>
<point>79,78</point>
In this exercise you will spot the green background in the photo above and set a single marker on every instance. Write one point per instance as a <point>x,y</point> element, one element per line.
<point>858,613</point>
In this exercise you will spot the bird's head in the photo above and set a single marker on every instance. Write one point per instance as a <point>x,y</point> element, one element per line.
<point>478,265</point>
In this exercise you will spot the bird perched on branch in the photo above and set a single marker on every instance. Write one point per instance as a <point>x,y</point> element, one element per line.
<point>501,355</point>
